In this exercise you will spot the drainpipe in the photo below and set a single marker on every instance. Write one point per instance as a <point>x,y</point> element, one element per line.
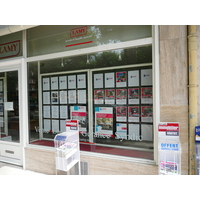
<point>193,117</point>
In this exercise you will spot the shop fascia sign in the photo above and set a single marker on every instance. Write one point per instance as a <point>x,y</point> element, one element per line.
<point>10,49</point>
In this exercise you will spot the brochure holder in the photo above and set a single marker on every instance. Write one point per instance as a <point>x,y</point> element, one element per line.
<point>67,147</point>
<point>169,148</point>
<point>197,136</point>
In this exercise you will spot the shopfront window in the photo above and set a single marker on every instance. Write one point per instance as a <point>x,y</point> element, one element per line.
<point>110,93</point>
<point>51,39</point>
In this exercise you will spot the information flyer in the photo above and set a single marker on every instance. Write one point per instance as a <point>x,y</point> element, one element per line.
<point>72,82</point>
<point>79,113</point>
<point>63,97</point>
<point>98,96</point>
<point>134,131</point>
<point>147,132</point>
<point>121,95</point>
<point>54,83</point>
<point>110,96</point>
<point>55,126</point>
<point>72,96</point>
<point>46,111</point>
<point>146,96</point>
<point>103,121</point>
<point>54,112</point>
<point>121,131</point>
<point>133,114</point>
<point>98,80</point>
<point>109,80</point>
<point>46,83</point>
<point>146,77</point>
<point>133,96</point>
<point>121,79</point>
<point>81,80</point>
<point>133,78</point>
<point>63,82</point>
<point>64,112</point>
<point>121,114</point>
<point>82,96</point>
<point>147,113</point>
<point>46,97</point>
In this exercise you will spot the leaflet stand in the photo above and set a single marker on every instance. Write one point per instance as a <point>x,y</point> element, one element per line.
<point>67,147</point>
<point>197,139</point>
<point>169,147</point>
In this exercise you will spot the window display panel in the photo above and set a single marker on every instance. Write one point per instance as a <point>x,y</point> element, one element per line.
<point>122,102</point>
<point>127,122</point>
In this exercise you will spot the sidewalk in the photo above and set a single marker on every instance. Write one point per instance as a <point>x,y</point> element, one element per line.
<point>8,169</point>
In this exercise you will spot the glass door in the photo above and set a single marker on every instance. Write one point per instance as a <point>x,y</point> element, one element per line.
<point>10,150</point>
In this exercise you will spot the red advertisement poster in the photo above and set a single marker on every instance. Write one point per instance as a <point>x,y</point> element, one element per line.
<point>147,113</point>
<point>133,114</point>
<point>121,114</point>
<point>121,95</point>
<point>121,79</point>
<point>103,122</point>
<point>146,95</point>
<point>133,96</point>
<point>98,96</point>
<point>110,96</point>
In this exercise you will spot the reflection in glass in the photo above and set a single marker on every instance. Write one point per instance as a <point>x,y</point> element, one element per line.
<point>9,107</point>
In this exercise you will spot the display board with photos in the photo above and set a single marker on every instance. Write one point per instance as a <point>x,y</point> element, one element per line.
<point>123,104</point>
<point>64,97</point>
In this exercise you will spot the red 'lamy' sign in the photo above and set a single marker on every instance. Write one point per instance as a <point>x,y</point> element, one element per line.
<point>78,31</point>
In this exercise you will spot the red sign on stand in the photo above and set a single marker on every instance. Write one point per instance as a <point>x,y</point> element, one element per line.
<point>168,129</point>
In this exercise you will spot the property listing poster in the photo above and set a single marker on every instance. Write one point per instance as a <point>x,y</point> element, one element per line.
<point>147,113</point>
<point>121,131</point>
<point>63,82</point>
<point>146,77</point>
<point>133,78</point>
<point>121,79</point>
<point>133,96</point>
<point>81,79</point>
<point>98,80</point>
<point>46,83</point>
<point>146,95</point>
<point>121,114</point>
<point>79,113</point>
<point>104,121</point>
<point>109,80</point>
<point>133,114</point>
<point>72,96</point>
<point>98,96</point>
<point>134,131</point>
<point>72,82</point>
<point>121,95</point>
<point>110,96</point>
<point>54,83</point>
<point>54,97</point>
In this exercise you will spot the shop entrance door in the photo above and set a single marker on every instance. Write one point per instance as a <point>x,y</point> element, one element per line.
<point>10,146</point>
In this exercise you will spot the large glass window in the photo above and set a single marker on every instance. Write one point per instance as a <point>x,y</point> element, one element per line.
<point>110,93</point>
<point>51,39</point>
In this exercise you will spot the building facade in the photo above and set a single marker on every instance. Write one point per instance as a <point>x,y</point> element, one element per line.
<point>118,81</point>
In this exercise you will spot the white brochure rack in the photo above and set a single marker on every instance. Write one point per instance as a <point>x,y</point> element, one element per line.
<point>67,147</point>
<point>169,147</point>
